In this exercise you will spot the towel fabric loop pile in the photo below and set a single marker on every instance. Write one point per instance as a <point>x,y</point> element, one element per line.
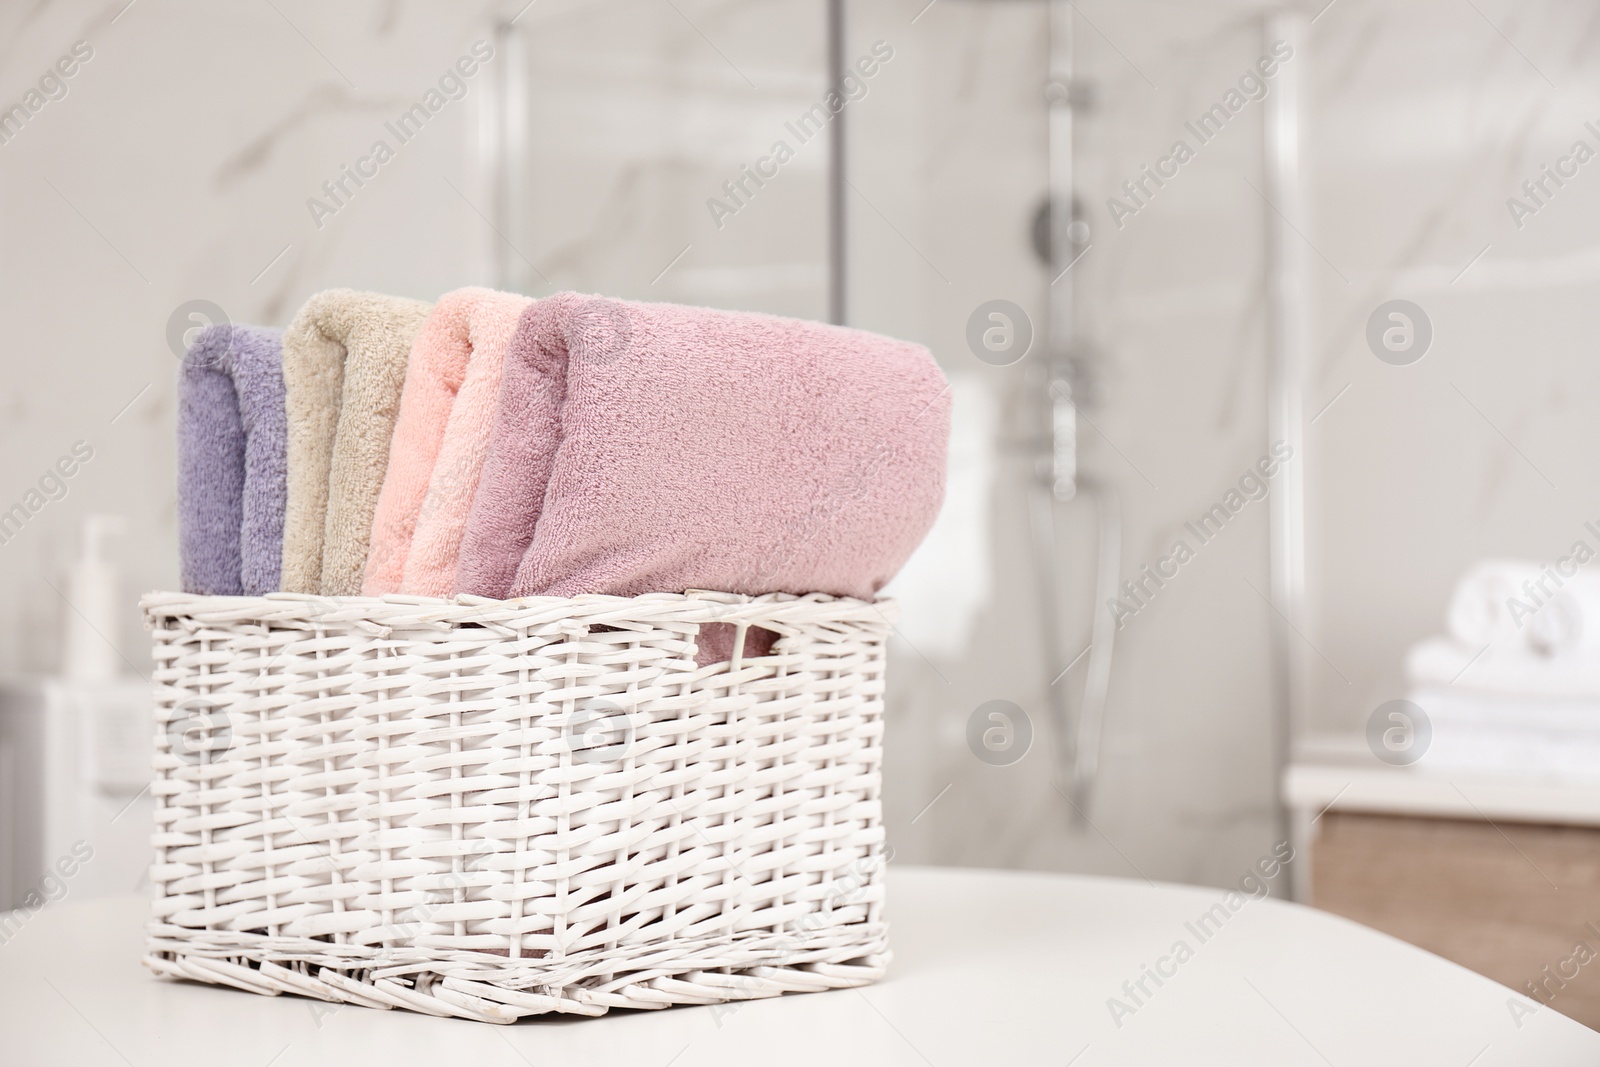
<point>231,461</point>
<point>500,446</point>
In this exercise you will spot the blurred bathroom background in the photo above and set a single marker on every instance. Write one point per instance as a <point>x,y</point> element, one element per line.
<point>1213,316</point>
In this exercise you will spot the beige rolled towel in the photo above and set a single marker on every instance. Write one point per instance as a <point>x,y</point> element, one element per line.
<point>344,365</point>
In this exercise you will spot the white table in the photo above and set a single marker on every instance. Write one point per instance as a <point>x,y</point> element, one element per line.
<point>990,967</point>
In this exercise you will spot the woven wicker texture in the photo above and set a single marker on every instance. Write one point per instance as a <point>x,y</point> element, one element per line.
<point>492,809</point>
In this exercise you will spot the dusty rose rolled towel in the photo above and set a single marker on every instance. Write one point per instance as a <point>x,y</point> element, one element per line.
<point>652,447</point>
<point>344,364</point>
<point>440,438</point>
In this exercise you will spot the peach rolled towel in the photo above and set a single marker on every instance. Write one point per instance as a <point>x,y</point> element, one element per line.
<point>657,448</point>
<point>440,438</point>
<point>344,364</point>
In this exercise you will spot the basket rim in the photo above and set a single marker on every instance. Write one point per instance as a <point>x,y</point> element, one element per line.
<point>406,611</point>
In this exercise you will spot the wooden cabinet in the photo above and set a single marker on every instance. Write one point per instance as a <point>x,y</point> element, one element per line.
<point>1518,902</point>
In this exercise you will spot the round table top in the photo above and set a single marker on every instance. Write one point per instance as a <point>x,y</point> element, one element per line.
<point>989,967</point>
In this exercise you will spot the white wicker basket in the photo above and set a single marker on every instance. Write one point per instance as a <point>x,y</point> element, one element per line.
<point>491,809</point>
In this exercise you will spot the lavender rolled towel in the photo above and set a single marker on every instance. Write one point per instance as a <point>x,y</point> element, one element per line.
<point>231,469</point>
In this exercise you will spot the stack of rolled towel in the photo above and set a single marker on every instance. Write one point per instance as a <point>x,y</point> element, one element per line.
<point>1515,686</point>
<point>502,446</point>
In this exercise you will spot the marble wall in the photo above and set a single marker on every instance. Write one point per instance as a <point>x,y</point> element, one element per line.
<point>1484,447</point>
<point>180,162</point>
<point>177,167</point>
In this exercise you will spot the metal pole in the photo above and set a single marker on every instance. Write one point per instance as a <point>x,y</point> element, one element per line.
<point>838,253</point>
<point>503,139</point>
<point>1286,331</point>
<point>1059,94</point>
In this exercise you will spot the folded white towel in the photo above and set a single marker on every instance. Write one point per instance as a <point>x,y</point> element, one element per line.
<point>1507,669</point>
<point>1576,716</point>
<point>1513,752</point>
<point>1475,730</point>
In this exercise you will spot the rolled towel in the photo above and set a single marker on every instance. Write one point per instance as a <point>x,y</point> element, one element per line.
<point>1568,624</point>
<point>1514,602</point>
<point>344,365</point>
<point>651,447</point>
<point>440,438</point>
<point>231,480</point>
<point>1480,606</point>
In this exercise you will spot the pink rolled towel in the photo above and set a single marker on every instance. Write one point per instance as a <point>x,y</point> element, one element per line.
<point>440,438</point>
<point>651,447</point>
